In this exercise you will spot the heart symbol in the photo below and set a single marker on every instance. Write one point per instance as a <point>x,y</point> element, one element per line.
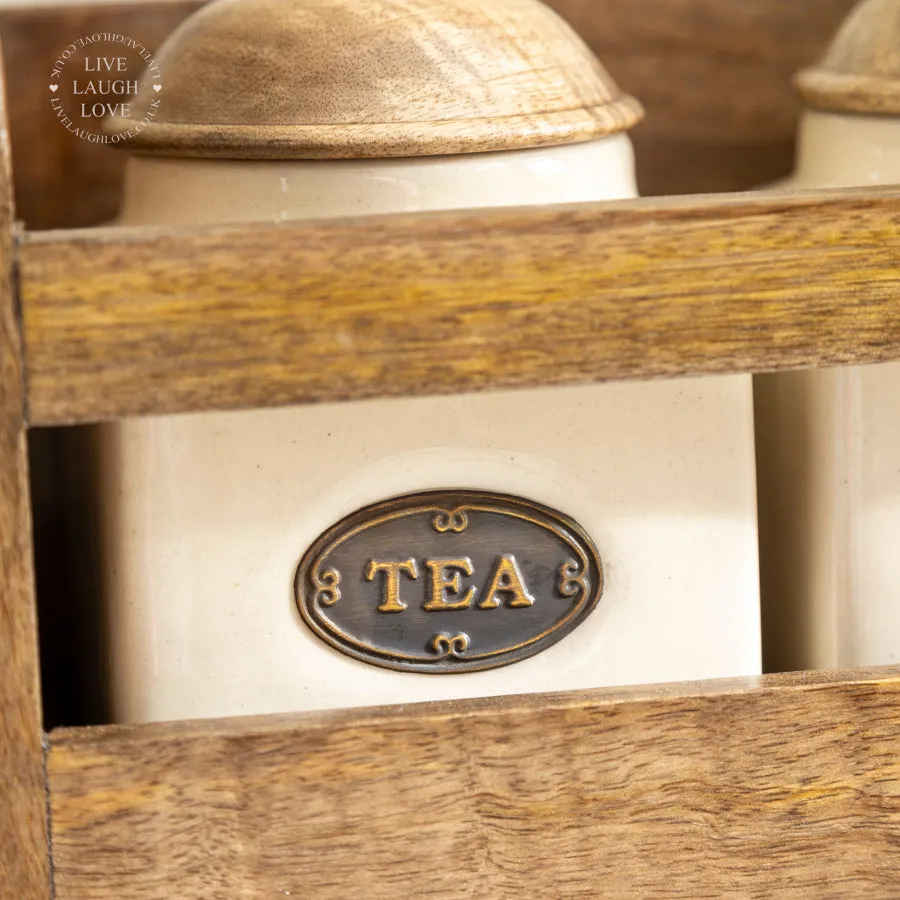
<point>54,88</point>
<point>157,88</point>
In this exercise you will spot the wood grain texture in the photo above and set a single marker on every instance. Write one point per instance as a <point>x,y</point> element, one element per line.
<point>782,787</point>
<point>860,73</point>
<point>123,322</point>
<point>24,855</point>
<point>714,76</point>
<point>324,79</point>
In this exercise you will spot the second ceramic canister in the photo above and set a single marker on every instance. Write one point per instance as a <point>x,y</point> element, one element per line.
<point>829,439</point>
<point>413,549</point>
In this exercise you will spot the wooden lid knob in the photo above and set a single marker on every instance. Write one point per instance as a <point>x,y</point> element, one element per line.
<point>322,79</point>
<point>861,70</point>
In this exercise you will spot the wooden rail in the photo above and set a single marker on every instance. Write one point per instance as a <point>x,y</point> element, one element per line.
<point>123,322</point>
<point>777,787</point>
<point>24,856</point>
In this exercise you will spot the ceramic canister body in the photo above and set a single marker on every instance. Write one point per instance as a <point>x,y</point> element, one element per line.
<point>829,440</point>
<point>207,516</point>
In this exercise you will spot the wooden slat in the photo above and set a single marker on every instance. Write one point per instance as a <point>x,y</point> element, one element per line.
<point>128,322</point>
<point>781,788</point>
<point>713,74</point>
<point>24,855</point>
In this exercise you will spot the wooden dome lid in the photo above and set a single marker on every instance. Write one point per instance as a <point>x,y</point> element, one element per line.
<point>321,79</point>
<point>861,70</point>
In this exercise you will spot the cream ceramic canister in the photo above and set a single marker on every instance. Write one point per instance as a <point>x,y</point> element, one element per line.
<point>402,550</point>
<point>829,440</point>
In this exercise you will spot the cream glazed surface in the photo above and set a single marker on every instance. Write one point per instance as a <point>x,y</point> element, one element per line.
<point>222,191</point>
<point>206,516</point>
<point>829,442</point>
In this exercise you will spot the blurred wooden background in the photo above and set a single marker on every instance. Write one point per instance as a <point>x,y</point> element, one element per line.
<point>714,75</point>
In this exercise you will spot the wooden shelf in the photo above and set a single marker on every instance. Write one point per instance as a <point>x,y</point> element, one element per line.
<point>782,786</point>
<point>119,322</point>
<point>775,787</point>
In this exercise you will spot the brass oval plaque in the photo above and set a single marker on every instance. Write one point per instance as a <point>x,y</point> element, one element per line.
<point>449,581</point>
